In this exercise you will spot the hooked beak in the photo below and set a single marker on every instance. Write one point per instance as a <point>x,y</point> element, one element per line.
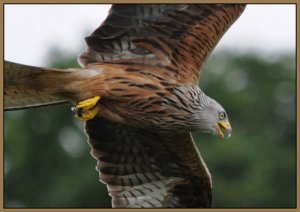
<point>223,126</point>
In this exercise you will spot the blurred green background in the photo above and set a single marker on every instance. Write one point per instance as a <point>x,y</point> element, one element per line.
<point>47,161</point>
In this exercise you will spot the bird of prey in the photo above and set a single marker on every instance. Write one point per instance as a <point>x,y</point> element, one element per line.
<point>138,93</point>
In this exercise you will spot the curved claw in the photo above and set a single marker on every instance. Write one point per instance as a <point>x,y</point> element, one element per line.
<point>86,109</point>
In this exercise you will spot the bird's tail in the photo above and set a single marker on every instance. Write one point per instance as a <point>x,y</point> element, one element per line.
<point>28,86</point>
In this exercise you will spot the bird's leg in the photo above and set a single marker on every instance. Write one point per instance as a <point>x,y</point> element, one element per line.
<point>87,109</point>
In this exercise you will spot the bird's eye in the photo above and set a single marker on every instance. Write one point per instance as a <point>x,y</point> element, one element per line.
<point>222,115</point>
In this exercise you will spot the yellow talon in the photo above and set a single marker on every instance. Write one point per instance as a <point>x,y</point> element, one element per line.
<point>87,109</point>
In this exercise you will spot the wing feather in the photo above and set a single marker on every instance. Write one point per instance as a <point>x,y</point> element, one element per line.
<point>146,169</point>
<point>179,36</point>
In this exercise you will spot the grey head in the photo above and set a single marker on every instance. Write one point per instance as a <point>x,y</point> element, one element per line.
<point>211,117</point>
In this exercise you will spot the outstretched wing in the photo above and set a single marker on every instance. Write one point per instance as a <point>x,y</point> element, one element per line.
<point>177,37</point>
<point>145,169</point>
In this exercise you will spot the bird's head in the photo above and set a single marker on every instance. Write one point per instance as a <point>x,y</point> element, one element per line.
<point>212,118</point>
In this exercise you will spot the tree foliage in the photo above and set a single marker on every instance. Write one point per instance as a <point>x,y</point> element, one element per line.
<point>47,161</point>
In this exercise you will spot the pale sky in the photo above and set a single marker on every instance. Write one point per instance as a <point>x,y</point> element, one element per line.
<point>30,30</point>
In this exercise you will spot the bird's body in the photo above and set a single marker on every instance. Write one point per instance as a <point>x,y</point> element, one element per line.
<point>144,61</point>
<point>143,99</point>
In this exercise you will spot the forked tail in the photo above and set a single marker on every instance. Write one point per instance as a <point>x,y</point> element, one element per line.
<point>28,86</point>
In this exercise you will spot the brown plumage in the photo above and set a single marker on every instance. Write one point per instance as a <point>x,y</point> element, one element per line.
<point>145,62</point>
<point>146,169</point>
